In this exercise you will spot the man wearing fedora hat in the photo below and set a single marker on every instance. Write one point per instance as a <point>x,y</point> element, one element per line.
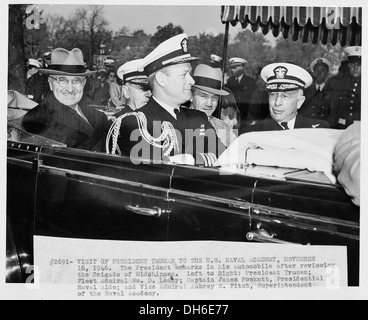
<point>169,74</point>
<point>346,91</point>
<point>317,104</point>
<point>285,84</point>
<point>241,85</point>
<point>206,95</point>
<point>64,115</point>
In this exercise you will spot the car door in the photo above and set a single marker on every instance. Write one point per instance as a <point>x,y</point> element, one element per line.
<point>208,205</point>
<point>307,213</point>
<point>82,194</point>
<point>21,179</point>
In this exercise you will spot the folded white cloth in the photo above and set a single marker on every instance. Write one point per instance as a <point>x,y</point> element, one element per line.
<point>310,149</point>
<point>18,105</point>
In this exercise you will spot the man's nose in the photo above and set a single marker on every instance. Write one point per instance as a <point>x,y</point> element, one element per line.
<point>69,86</point>
<point>209,101</point>
<point>190,80</point>
<point>278,101</point>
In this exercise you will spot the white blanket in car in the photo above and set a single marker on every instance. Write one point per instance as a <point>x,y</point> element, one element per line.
<point>310,149</point>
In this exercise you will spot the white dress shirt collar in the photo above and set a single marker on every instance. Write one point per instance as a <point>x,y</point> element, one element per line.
<point>320,86</point>
<point>291,123</point>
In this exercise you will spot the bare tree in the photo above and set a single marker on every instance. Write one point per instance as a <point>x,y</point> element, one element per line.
<point>16,54</point>
<point>95,21</point>
<point>56,25</point>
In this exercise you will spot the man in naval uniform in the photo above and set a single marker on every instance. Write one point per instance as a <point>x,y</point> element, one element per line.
<point>195,141</point>
<point>347,91</point>
<point>241,85</point>
<point>317,103</point>
<point>135,88</point>
<point>285,84</point>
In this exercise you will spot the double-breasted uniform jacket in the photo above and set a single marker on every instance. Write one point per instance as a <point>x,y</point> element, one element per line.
<point>36,87</point>
<point>301,122</point>
<point>243,92</point>
<point>55,121</point>
<point>195,133</point>
<point>317,103</point>
<point>346,100</point>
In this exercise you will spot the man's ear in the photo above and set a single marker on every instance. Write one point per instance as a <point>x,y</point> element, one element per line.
<point>50,83</point>
<point>301,101</point>
<point>125,91</point>
<point>161,78</point>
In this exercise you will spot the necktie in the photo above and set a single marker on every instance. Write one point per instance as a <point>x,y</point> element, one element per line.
<point>285,125</point>
<point>177,113</point>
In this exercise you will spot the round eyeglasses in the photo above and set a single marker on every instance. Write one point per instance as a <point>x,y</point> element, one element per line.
<point>64,82</point>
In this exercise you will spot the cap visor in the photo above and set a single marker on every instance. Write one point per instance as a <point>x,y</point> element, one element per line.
<point>181,60</point>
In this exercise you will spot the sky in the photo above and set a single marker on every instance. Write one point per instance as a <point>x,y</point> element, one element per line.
<point>193,19</point>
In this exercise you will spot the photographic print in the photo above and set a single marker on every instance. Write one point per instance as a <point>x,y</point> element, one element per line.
<point>159,152</point>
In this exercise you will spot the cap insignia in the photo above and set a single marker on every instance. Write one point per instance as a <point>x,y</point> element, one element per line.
<point>280,72</point>
<point>184,45</point>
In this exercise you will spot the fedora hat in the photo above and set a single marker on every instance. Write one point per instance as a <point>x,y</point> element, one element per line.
<point>209,79</point>
<point>67,63</point>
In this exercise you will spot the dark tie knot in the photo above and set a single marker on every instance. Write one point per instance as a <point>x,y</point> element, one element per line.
<point>285,125</point>
<point>177,112</point>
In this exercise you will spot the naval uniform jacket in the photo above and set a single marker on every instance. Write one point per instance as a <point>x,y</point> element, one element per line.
<point>243,92</point>
<point>35,87</point>
<point>194,120</point>
<point>317,104</point>
<point>270,124</point>
<point>55,121</point>
<point>346,100</point>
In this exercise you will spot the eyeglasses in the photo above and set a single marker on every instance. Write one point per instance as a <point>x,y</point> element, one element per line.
<point>64,82</point>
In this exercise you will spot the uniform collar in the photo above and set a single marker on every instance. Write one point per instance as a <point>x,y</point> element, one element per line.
<point>168,108</point>
<point>320,86</point>
<point>291,123</point>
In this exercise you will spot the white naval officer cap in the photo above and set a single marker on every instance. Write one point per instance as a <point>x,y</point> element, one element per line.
<point>131,72</point>
<point>170,52</point>
<point>215,58</point>
<point>320,62</point>
<point>34,63</point>
<point>353,53</point>
<point>285,77</point>
<point>234,62</point>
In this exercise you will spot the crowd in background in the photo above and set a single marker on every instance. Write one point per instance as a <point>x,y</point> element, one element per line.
<point>333,99</point>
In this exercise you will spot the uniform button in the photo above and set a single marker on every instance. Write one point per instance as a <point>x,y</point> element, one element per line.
<point>314,107</point>
<point>351,114</point>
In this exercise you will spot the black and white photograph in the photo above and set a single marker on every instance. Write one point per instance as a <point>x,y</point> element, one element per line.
<point>199,151</point>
